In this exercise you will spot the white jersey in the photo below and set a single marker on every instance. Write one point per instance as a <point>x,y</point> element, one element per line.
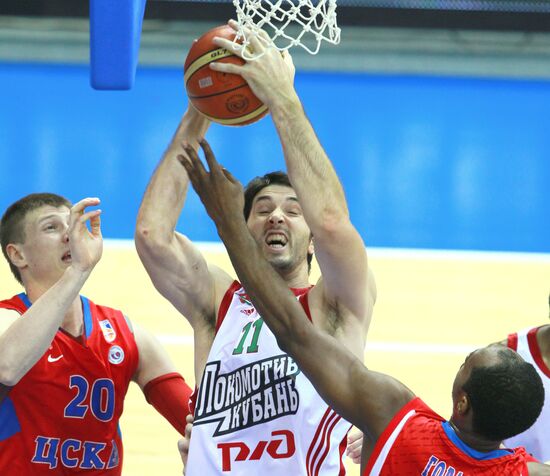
<point>256,413</point>
<point>537,438</point>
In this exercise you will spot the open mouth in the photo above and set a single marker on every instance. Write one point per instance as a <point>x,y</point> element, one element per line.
<point>66,258</point>
<point>276,241</point>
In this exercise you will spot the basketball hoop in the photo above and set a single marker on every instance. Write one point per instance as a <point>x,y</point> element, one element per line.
<point>288,23</point>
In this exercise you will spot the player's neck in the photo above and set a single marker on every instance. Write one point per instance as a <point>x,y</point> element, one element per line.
<point>297,278</point>
<point>474,440</point>
<point>35,289</point>
<point>73,322</point>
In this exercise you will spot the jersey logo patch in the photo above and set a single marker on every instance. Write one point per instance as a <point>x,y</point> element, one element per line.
<point>116,354</point>
<point>54,359</point>
<point>108,331</point>
<point>244,299</point>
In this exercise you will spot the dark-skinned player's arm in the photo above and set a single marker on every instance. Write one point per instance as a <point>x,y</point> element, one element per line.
<point>367,399</point>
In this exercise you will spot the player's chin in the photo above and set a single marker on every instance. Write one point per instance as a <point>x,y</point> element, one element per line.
<point>279,261</point>
<point>65,263</point>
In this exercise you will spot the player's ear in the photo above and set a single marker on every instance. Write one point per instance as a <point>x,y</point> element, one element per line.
<point>16,255</point>
<point>463,404</point>
<point>311,247</point>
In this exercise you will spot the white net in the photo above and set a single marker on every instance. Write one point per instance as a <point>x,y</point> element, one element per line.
<point>288,23</point>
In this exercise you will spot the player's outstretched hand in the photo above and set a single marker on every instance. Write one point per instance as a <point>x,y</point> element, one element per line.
<point>219,191</point>
<point>271,75</point>
<point>85,244</point>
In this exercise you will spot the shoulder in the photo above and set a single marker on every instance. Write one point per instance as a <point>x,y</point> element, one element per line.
<point>109,319</point>
<point>101,310</point>
<point>416,409</point>
<point>318,292</point>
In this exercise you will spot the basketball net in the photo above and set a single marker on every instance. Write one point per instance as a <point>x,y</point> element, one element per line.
<point>288,23</point>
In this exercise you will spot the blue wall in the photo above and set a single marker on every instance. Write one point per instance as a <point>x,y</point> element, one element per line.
<point>426,162</point>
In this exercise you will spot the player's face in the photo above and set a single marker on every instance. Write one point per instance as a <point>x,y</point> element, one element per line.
<point>277,224</point>
<point>46,247</point>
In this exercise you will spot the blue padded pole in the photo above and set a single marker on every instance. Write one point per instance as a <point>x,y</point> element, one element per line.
<point>115,32</point>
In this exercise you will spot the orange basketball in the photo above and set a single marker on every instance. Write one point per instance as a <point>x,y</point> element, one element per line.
<point>223,98</point>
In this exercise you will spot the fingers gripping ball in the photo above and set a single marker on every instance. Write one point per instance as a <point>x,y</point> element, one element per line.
<point>222,97</point>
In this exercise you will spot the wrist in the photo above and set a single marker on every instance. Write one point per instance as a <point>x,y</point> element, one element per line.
<point>286,107</point>
<point>193,124</point>
<point>77,275</point>
<point>232,227</point>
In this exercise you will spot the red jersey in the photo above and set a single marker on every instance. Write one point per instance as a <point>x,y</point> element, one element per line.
<point>62,416</point>
<point>421,443</point>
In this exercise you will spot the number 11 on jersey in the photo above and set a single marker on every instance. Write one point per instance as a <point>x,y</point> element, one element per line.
<point>253,347</point>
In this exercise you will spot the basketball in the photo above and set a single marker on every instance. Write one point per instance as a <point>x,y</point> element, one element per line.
<point>223,98</point>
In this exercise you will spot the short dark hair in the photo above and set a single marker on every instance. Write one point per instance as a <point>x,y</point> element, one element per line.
<point>259,183</point>
<point>506,398</point>
<point>12,229</point>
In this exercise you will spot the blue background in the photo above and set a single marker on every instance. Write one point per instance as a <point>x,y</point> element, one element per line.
<point>427,162</point>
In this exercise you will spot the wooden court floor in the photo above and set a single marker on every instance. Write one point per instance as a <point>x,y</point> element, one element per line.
<point>432,309</point>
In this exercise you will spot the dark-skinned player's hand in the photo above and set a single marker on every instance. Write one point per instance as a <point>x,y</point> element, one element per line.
<point>220,192</point>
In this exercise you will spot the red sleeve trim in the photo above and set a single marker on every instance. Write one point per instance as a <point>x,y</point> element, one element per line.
<point>226,301</point>
<point>513,341</point>
<point>535,351</point>
<point>341,449</point>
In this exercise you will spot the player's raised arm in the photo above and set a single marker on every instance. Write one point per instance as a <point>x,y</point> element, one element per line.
<point>367,399</point>
<point>338,246</point>
<point>176,267</point>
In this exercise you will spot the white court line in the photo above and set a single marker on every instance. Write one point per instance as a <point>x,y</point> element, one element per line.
<point>392,253</point>
<point>394,347</point>
<point>419,348</point>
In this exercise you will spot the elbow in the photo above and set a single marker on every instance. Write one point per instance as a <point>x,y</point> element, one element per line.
<point>148,241</point>
<point>9,376</point>
<point>143,235</point>
<point>332,223</point>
